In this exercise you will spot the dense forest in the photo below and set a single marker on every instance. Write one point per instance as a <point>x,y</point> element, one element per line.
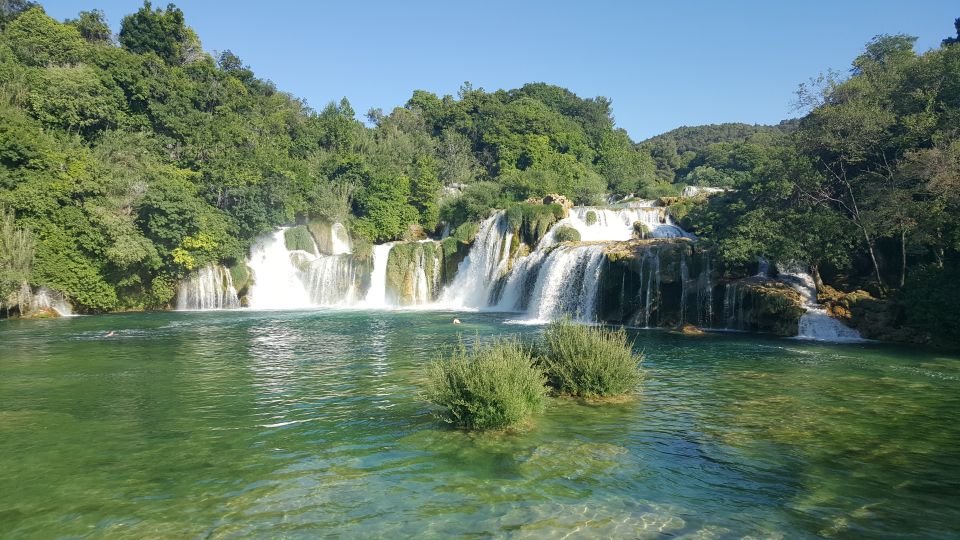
<point>130,160</point>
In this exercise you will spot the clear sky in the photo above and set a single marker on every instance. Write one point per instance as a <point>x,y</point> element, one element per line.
<point>663,64</point>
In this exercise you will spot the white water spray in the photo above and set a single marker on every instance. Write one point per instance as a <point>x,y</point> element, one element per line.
<point>277,283</point>
<point>816,324</point>
<point>210,288</point>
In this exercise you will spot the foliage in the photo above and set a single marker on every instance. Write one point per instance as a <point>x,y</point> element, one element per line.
<point>532,220</point>
<point>589,361</point>
<point>161,31</point>
<point>565,233</point>
<point>16,260</point>
<point>495,386</point>
<point>932,292</point>
<point>299,238</point>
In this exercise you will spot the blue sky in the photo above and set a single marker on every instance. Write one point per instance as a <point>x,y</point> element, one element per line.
<point>664,64</point>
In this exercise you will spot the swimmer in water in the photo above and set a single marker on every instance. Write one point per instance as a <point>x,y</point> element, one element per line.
<point>110,334</point>
<point>456,320</point>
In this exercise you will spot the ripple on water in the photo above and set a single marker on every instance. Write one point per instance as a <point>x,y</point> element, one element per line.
<point>306,424</point>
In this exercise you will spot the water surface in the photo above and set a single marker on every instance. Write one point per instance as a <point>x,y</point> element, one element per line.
<point>301,424</point>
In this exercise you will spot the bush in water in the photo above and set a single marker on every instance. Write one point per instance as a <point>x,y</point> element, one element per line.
<point>494,386</point>
<point>589,361</point>
<point>566,234</point>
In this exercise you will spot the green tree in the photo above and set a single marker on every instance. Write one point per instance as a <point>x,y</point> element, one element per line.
<point>38,40</point>
<point>93,26</point>
<point>161,31</point>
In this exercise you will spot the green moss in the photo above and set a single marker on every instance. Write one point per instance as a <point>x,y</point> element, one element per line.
<point>242,278</point>
<point>640,229</point>
<point>533,221</point>
<point>319,229</point>
<point>565,233</point>
<point>466,232</point>
<point>591,217</point>
<point>402,269</point>
<point>299,238</point>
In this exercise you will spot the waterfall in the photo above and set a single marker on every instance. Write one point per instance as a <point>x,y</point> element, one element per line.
<point>684,278</point>
<point>705,295</point>
<point>211,287</point>
<point>567,284</point>
<point>331,280</point>
<point>733,295</point>
<point>46,298</point>
<point>652,258</point>
<point>377,294</point>
<point>480,272</point>
<point>339,240</point>
<point>277,283</point>
<point>816,324</point>
<point>617,224</point>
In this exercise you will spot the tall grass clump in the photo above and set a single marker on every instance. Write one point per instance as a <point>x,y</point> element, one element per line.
<point>589,361</point>
<point>493,387</point>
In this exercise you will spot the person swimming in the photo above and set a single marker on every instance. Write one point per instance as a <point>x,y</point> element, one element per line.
<point>456,320</point>
<point>110,334</point>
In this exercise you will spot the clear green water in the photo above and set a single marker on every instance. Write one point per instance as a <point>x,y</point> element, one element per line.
<point>303,424</point>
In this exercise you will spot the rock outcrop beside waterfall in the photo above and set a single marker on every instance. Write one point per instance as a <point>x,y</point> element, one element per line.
<point>672,283</point>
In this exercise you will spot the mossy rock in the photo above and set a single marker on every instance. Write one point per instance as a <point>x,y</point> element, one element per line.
<point>320,231</point>
<point>533,221</point>
<point>299,238</point>
<point>242,278</point>
<point>566,233</point>
<point>640,230</point>
<point>402,265</point>
<point>770,306</point>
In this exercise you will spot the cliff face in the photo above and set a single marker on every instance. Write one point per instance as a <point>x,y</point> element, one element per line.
<point>671,283</point>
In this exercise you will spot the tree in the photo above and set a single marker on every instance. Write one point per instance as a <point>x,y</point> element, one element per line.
<point>11,9</point>
<point>161,31</point>
<point>38,40</point>
<point>17,247</point>
<point>953,40</point>
<point>93,26</point>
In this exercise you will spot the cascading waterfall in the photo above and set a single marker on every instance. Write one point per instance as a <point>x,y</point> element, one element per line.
<point>377,294</point>
<point>46,298</point>
<point>666,284</point>
<point>684,278</point>
<point>331,280</point>
<point>617,224</point>
<point>339,240</point>
<point>652,298</point>
<point>567,284</point>
<point>705,295</point>
<point>525,288</point>
<point>733,295</point>
<point>480,272</point>
<point>816,324</point>
<point>211,287</point>
<point>277,283</point>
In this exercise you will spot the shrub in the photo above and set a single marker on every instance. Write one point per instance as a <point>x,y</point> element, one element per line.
<point>565,233</point>
<point>640,229</point>
<point>495,386</point>
<point>661,189</point>
<point>298,238</point>
<point>589,361</point>
<point>591,217</point>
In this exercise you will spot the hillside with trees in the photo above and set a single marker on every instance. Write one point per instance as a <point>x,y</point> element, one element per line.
<point>129,161</point>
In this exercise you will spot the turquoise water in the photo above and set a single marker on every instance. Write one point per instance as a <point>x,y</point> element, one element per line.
<point>302,424</point>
